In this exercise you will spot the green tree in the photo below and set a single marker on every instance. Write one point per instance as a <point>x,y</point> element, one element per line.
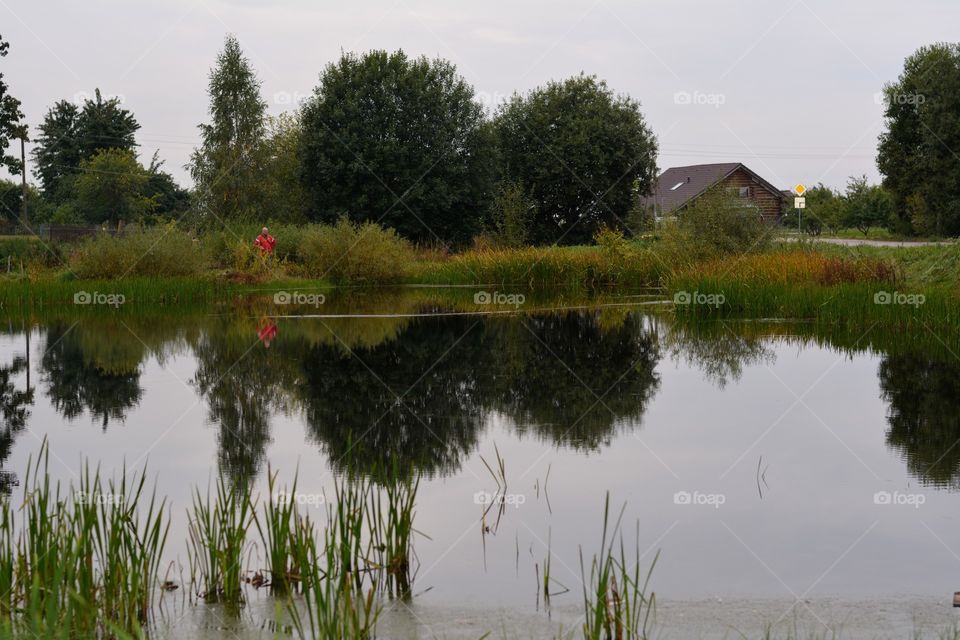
<point>866,205</point>
<point>70,135</point>
<point>285,199</point>
<point>171,199</point>
<point>226,168</point>
<point>582,150</point>
<point>111,187</point>
<point>10,117</point>
<point>916,152</point>
<point>398,141</point>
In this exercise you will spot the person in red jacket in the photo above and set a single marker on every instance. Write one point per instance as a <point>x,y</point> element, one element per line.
<point>265,242</point>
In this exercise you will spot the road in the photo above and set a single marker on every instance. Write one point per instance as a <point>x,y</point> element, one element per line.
<point>863,242</point>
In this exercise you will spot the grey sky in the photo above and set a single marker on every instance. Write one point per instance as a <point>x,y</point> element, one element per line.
<point>788,87</point>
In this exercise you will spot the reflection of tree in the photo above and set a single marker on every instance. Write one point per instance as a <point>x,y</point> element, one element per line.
<point>718,352</point>
<point>79,379</point>
<point>924,414</point>
<point>570,378</point>
<point>515,366</point>
<point>242,382</point>
<point>351,404</point>
<point>13,405</point>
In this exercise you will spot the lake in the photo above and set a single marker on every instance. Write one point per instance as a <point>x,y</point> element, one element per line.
<point>790,475</point>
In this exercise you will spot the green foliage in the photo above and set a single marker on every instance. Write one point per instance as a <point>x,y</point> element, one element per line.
<point>714,224</point>
<point>159,251</point>
<point>866,205</point>
<point>916,152</point>
<point>583,150</point>
<point>398,141</point>
<point>111,187</point>
<point>69,135</point>
<point>11,127</point>
<point>284,197</point>
<point>513,214</point>
<point>348,252</point>
<point>227,167</point>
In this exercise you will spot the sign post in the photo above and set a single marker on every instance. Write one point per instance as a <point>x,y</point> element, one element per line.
<point>799,203</point>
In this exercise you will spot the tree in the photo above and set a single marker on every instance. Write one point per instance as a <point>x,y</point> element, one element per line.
<point>70,135</point>
<point>10,117</point>
<point>916,152</point>
<point>582,151</point>
<point>226,168</point>
<point>170,198</point>
<point>111,187</point>
<point>283,194</point>
<point>866,205</point>
<point>398,141</point>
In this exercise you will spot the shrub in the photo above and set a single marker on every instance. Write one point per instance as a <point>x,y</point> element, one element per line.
<point>158,251</point>
<point>356,253</point>
<point>715,225</point>
<point>513,214</point>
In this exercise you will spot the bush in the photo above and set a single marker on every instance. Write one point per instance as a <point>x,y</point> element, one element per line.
<point>220,247</point>
<point>715,225</point>
<point>356,253</point>
<point>159,251</point>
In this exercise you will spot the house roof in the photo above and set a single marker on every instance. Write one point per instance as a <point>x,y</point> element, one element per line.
<point>678,185</point>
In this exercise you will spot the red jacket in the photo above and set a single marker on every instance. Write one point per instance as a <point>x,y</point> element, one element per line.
<point>265,242</point>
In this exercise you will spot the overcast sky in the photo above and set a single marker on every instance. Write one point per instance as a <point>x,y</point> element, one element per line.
<point>787,87</point>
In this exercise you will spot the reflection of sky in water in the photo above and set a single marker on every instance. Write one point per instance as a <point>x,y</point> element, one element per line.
<point>813,414</point>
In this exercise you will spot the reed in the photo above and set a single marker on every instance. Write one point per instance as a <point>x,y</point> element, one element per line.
<point>277,528</point>
<point>217,532</point>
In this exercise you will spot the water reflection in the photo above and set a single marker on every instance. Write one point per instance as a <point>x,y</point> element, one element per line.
<point>421,390</point>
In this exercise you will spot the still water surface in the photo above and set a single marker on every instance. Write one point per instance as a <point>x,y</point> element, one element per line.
<point>783,472</point>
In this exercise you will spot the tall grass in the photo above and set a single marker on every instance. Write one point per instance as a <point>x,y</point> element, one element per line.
<point>349,253</point>
<point>158,252</point>
<point>217,539</point>
<point>617,602</point>
<point>80,562</point>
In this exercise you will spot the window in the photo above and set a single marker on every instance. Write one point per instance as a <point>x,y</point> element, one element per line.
<point>676,186</point>
<point>744,192</point>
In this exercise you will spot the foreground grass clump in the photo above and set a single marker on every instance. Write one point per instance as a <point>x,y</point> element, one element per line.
<point>158,252</point>
<point>83,562</point>
<point>348,253</point>
<point>140,293</point>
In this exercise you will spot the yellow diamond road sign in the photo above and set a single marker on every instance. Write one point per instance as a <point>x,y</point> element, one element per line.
<point>799,189</point>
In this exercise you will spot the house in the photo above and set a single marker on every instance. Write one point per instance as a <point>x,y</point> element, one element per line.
<point>679,186</point>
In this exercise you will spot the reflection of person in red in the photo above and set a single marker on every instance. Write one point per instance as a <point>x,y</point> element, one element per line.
<point>267,332</point>
<point>265,242</point>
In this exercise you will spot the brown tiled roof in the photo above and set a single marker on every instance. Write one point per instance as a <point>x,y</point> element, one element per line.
<point>678,185</point>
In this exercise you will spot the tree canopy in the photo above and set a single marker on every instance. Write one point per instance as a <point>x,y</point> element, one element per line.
<point>399,141</point>
<point>70,135</point>
<point>581,151</point>
<point>226,168</point>
<point>10,117</point>
<point>916,152</point>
